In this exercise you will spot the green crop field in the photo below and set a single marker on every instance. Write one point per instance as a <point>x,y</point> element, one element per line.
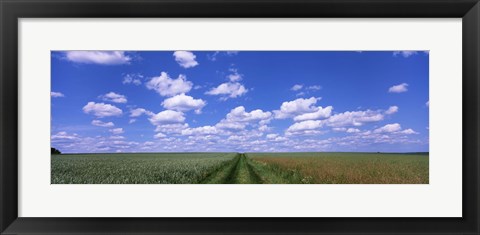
<point>236,168</point>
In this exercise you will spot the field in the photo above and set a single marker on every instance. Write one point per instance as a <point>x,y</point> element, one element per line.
<point>237,168</point>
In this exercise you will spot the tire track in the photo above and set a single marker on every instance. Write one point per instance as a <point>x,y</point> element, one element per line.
<point>244,173</point>
<point>224,174</point>
<point>239,171</point>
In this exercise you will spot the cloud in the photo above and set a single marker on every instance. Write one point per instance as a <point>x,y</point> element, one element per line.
<point>166,86</point>
<point>405,54</point>
<point>167,117</point>
<point>347,130</point>
<point>296,107</point>
<point>171,128</point>
<point>228,89</point>
<point>305,125</point>
<point>114,97</point>
<point>185,59</point>
<point>264,128</point>
<point>101,110</point>
<point>319,114</point>
<point>352,130</point>
<point>238,118</point>
<point>398,88</point>
<point>239,114</point>
<point>314,87</point>
<point>389,128</point>
<point>133,78</point>
<point>392,110</point>
<point>394,128</point>
<point>213,57</point>
<point>203,130</point>
<point>116,131</point>
<point>139,112</point>
<point>231,53</point>
<point>62,135</point>
<point>117,137</point>
<point>223,124</point>
<point>296,87</point>
<point>427,103</point>
<point>355,118</point>
<point>234,76</point>
<point>307,90</point>
<point>73,143</point>
<point>183,103</point>
<point>56,94</point>
<point>272,136</point>
<point>98,57</point>
<point>102,124</point>
<point>159,135</point>
<point>408,132</point>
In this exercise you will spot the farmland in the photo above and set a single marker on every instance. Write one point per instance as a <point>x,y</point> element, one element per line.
<point>240,168</point>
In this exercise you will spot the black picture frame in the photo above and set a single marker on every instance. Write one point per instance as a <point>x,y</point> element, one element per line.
<point>12,10</point>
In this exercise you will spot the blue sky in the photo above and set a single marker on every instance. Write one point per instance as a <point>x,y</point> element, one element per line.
<point>243,101</point>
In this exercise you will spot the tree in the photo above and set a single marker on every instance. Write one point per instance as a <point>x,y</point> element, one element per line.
<point>54,151</point>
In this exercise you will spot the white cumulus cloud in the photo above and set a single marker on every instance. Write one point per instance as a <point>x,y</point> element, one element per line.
<point>319,114</point>
<point>353,130</point>
<point>98,57</point>
<point>114,97</point>
<point>185,59</point>
<point>167,117</point>
<point>102,124</point>
<point>56,94</point>
<point>272,136</point>
<point>62,135</point>
<point>234,76</point>
<point>398,88</point>
<point>389,128</point>
<point>408,132</point>
<point>392,110</point>
<point>296,87</point>
<point>166,86</point>
<point>314,87</point>
<point>305,125</point>
<point>238,118</point>
<point>394,128</point>
<point>228,90</point>
<point>171,128</point>
<point>102,110</point>
<point>159,135</point>
<point>239,114</point>
<point>355,118</point>
<point>296,107</point>
<point>133,78</point>
<point>116,131</point>
<point>139,112</point>
<point>203,130</point>
<point>184,102</point>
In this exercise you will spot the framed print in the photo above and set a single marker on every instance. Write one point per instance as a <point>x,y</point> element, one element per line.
<point>239,117</point>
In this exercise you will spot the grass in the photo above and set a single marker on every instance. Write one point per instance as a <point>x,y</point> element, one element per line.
<point>156,168</point>
<point>345,168</point>
<point>235,168</point>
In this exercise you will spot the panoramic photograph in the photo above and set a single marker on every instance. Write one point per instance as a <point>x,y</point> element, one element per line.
<point>239,117</point>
